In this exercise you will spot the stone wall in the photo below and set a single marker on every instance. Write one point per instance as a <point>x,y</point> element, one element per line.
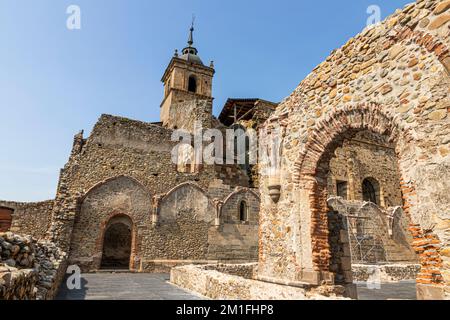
<point>246,271</point>
<point>211,282</point>
<point>125,168</point>
<point>32,218</point>
<point>186,110</point>
<point>183,228</point>
<point>17,284</point>
<point>392,79</point>
<point>366,156</point>
<point>29,269</point>
<point>385,273</point>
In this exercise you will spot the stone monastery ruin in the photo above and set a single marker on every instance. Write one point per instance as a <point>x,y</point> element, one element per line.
<point>363,181</point>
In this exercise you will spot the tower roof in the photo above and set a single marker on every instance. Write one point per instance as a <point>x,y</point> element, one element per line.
<point>190,53</point>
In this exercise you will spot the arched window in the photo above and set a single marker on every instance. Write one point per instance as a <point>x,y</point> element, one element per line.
<point>371,191</point>
<point>192,84</point>
<point>243,211</point>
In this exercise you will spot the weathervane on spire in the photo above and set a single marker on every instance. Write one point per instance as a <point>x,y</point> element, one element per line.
<point>191,31</point>
<point>190,53</point>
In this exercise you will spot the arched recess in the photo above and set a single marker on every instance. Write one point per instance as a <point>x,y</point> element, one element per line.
<point>117,196</point>
<point>187,201</point>
<point>313,165</point>
<point>231,206</point>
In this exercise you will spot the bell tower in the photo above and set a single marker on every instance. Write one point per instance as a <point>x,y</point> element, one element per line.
<point>187,89</point>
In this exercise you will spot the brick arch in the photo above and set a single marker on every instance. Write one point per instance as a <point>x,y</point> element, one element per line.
<point>311,175</point>
<point>331,131</point>
<point>426,41</point>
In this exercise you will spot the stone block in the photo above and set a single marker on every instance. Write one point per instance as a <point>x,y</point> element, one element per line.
<point>311,277</point>
<point>429,292</point>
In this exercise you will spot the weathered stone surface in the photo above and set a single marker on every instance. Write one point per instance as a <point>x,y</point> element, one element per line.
<point>442,7</point>
<point>385,273</point>
<point>437,115</point>
<point>377,82</point>
<point>31,269</point>
<point>439,21</point>
<point>402,105</point>
<point>221,286</point>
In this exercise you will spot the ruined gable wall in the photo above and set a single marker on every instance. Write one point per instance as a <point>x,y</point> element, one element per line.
<point>398,72</point>
<point>121,169</point>
<point>119,146</point>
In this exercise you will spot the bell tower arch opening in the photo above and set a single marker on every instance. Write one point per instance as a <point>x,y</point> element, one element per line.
<point>192,84</point>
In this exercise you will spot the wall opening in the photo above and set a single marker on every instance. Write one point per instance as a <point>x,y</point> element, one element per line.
<point>243,211</point>
<point>117,242</point>
<point>5,219</point>
<point>192,84</point>
<point>371,191</point>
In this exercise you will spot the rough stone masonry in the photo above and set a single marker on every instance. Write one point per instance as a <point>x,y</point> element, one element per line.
<point>369,125</point>
<point>122,202</point>
<point>393,80</point>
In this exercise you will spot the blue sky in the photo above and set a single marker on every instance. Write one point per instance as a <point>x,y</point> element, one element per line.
<point>55,81</point>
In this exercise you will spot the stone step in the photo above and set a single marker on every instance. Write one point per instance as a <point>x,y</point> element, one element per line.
<point>113,271</point>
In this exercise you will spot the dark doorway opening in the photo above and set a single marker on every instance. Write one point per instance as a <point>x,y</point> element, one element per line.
<point>117,246</point>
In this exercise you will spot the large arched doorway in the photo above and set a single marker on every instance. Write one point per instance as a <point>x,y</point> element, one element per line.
<point>329,237</point>
<point>117,243</point>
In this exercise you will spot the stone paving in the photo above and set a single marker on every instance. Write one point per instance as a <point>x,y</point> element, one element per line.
<point>145,286</point>
<point>404,290</point>
<point>125,286</point>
